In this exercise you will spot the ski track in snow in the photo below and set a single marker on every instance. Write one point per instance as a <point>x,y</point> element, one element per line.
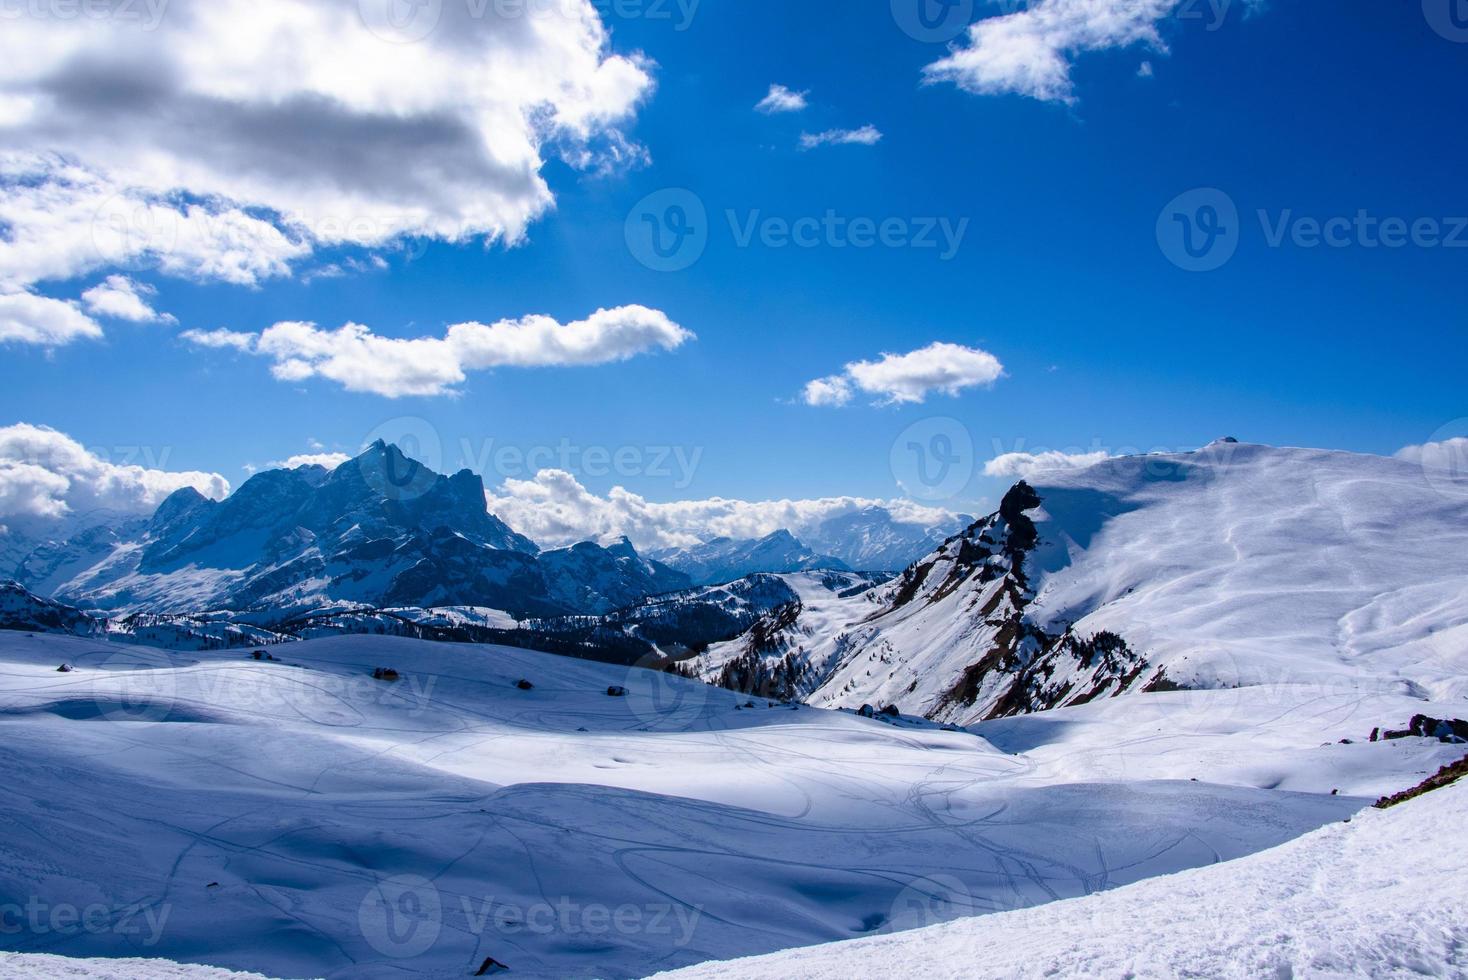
<point>308,791</point>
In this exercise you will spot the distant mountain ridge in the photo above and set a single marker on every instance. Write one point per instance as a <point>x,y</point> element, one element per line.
<point>871,539</point>
<point>726,559</point>
<point>379,530</point>
<point>382,530</point>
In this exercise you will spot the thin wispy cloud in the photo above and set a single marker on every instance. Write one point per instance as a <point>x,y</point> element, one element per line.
<point>1031,51</point>
<point>865,136</point>
<point>782,99</point>
<point>1026,465</point>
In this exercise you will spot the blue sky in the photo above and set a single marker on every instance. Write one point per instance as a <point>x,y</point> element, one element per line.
<point>1106,344</point>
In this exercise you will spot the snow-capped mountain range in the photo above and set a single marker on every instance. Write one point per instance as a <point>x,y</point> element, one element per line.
<point>727,559</point>
<point>1233,565</point>
<point>382,530</point>
<point>378,530</point>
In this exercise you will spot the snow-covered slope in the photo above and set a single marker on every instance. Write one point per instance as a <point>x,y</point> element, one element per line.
<point>1385,895</point>
<point>726,559</point>
<point>20,610</point>
<point>1235,565</point>
<point>299,818</point>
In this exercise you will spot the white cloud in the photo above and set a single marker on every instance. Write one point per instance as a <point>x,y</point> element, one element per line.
<point>554,510</point>
<point>782,99</point>
<point>1025,465</point>
<point>28,318</point>
<point>1030,52</point>
<point>221,339</point>
<point>329,460</point>
<point>1145,71</point>
<point>359,360</point>
<point>908,378</point>
<point>834,391</point>
<point>47,474</point>
<point>1450,455</point>
<point>123,299</point>
<point>230,138</point>
<point>866,136</point>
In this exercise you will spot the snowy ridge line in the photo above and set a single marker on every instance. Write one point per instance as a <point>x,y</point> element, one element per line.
<point>1233,566</point>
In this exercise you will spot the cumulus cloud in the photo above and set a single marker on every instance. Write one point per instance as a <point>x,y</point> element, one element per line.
<point>1450,455</point>
<point>329,460</point>
<point>360,360</point>
<point>834,392</point>
<point>896,379</point>
<point>1023,466</point>
<point>27,318</point>
<point>121,298</point>
<point>227,139</point>
<point>1030,52</point>
<point>782,99</point>
<point>554,510</point>
<point>45,474</point>
<point>865,136</point>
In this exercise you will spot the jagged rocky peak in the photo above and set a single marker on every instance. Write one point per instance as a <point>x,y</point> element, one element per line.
<point>181,505</point>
